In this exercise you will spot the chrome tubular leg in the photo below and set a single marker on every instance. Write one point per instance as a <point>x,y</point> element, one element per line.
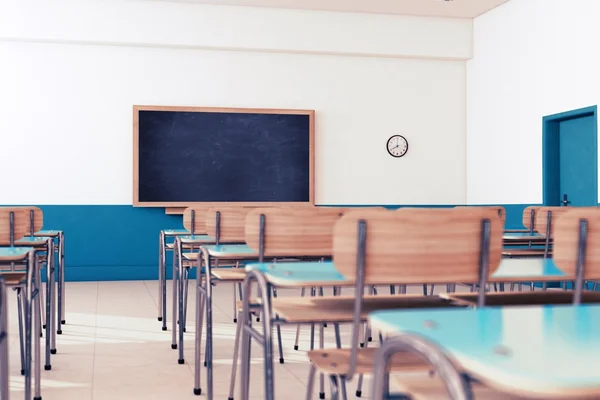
<point>163,285</point>
<point>180,316</point>
<point>235,357</point>
<point>174,304</point>
<point>36,338</point>
<point>48,364</point>
<point>160,275</point>
<point>61,265</point>
<point>457,386</point>
<point>298,326</point>
<point>198,335</point>
<point>311,383</point>
<point>21,328</point>
<point>53,271</point>
<point>186,283</point>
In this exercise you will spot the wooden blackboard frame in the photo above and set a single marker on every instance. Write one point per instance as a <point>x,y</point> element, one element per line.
<point>138,108</point>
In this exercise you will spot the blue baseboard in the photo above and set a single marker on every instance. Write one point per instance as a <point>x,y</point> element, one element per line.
<point>118,242</point>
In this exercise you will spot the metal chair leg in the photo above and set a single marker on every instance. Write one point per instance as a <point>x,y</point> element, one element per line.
<point>234,363</point>
<point>311,383</point>
<point>298,326</point>
<point>21,328</point>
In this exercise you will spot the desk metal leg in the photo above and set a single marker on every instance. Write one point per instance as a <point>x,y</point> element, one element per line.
<point>36,338</point>
<point>163,285</point>
<point>180,311</point>
<point>161,268</point>
<point>59,278</point>
<point>48,364</point>
<point>174,308</point>
<point>53,272</point>
<point>200,299</point>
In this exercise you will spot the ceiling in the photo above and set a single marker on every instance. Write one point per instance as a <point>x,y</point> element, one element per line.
<point>431,8</point>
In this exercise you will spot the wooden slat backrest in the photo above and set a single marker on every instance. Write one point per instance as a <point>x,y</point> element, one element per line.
<point>293,231</point>
<point>232,226</point>
<point>566,237</point>
<point>541,218</point>
<point>527,216</point>
<point>199,227</point>
<point>418,246</point>
<point>38,218</point>
<point>499,209</point>
<point>21,224</point>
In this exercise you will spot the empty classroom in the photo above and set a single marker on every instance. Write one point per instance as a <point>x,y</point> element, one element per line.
<point>299,199</point>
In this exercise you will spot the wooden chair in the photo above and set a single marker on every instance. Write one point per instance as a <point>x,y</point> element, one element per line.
<point>45,249</point>
<point>410,246</point>
<point>19,269</point>
<point>576,252</point>
<point>547,220</point>
<point>183,256</point>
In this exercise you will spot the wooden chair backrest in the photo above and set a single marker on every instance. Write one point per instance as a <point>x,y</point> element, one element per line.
<point>541,218</point>
<point>527,216</point>
<point>499,209</point>
<point>199,227</point>
<point>566,239</point>
<point>38,218</point>
<point>21,224</point>
<point>293,231</point>
<point>232,226</point>
<point>418,245</point>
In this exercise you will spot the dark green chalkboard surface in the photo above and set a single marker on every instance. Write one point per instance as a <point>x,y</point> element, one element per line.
<point>191,156</point>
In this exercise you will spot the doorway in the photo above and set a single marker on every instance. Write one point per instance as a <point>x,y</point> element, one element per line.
<point>570,158</point>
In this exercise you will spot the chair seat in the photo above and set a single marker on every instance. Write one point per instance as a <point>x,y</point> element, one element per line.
<point>13,278</point>
<point>229,274</point>
<point>341,308</point>
<point>14,254</point>
<point>337,361</point>
<point>171,246</point>
<point>523,298</point>
<point>423,386</point>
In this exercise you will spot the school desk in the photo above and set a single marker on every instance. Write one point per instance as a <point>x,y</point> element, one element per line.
<point>540,351</point>
<point>163,247</point>
<point>45,245</point>
<point>59,236</point>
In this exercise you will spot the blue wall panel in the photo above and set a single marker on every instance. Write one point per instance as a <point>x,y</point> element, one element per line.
<point>121,242</point>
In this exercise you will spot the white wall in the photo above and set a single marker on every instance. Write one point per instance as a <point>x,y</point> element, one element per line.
<point>70,72</point>
<point>531,58</point>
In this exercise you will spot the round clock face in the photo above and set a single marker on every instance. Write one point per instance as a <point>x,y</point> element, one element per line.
<point>397,146</point>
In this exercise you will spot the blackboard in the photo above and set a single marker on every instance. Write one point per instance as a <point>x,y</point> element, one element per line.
<point>189,156</point>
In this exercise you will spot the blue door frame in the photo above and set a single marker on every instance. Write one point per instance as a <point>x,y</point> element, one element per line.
<point>551,152</point>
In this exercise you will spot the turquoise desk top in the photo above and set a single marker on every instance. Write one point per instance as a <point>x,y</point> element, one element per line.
<point>304,273</point>
<point>33,240</point>
<point>51,233</point>
<point>196,239</point>
<point>530,268</point>
<point>231,251</point>
<point>14,251</point>
<point>314,273</point>
<point>175,232</point>
<point>541,349</point>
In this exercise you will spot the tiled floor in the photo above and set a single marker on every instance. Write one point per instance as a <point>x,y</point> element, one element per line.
<point>113,348</point>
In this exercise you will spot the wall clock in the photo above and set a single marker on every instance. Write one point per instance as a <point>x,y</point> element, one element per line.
<point>397,146</point>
